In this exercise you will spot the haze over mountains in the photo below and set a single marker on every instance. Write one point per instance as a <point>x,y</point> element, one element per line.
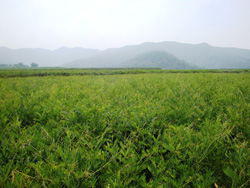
<point>171,55</point>
<point>44,57</point>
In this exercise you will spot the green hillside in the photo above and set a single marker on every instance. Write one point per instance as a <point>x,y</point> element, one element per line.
<point>158,59</point>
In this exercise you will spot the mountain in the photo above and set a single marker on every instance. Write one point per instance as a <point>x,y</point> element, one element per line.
<point>44,57</point>
<point>156,59</point>
<point>201,55</point>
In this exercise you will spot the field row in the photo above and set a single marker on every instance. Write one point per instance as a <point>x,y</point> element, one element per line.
<point>4,73</point>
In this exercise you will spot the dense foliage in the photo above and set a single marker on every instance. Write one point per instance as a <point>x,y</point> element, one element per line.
<point>159,59</point>
<point>132,130</point>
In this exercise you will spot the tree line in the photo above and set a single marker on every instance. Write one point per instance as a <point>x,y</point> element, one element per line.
<point>19,65</point>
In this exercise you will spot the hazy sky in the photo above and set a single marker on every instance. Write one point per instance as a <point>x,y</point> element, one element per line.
<point>105,24</point>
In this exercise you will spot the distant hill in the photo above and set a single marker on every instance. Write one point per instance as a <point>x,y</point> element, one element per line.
<point>156,59</point>
<point>202,55</point>
<point>44,57</point>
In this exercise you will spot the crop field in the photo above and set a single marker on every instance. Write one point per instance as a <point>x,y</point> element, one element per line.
<point>125,130</point>
<point>28,72</point>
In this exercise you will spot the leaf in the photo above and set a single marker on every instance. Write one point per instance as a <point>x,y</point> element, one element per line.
<point>229,172</point>
<point>216,185</point>
<point>169,147</point>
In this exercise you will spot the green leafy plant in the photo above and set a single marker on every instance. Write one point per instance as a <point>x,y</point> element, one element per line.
<point>143,128</point>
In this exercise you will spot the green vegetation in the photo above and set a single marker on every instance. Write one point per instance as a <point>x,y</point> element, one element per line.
<point>125,130</point>
<point>103,71</point>
<point>159,59</point>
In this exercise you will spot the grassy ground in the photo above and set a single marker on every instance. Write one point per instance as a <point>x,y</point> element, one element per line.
<point>129,130</point>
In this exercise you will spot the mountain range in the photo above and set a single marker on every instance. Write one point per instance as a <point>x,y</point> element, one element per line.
<point>44,57</point>
<point>171,55</point>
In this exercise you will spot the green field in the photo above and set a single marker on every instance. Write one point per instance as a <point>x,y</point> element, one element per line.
<point>151,128</point>
<point>28,72</point>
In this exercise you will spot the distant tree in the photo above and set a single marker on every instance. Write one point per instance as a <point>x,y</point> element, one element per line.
<point>3,65</point>
<point>20,64</point>
<point>34,64</point>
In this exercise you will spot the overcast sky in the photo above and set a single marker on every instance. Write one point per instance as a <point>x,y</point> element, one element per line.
<point>103,24</point>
